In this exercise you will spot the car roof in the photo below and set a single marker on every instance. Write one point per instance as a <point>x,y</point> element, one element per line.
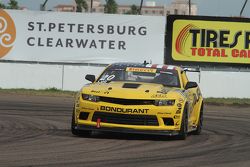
<point>142,65</point>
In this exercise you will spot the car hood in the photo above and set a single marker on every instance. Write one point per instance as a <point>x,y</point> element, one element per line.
<point>132,90</point>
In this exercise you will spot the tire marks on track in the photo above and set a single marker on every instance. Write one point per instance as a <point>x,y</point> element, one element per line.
<point>35,131</point>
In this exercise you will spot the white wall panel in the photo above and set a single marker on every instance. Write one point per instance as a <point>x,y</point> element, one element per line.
<point>223,84</point>
<point>74,76</point>
<point>32,76</point>
<point>37,76</point>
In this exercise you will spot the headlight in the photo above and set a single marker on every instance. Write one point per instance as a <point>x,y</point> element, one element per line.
<point>164,102</point>
<point>90,97</point>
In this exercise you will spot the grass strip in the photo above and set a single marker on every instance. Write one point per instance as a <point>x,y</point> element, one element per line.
<point>227,101</point>
<point>57,92</point>
<point>40,92</point>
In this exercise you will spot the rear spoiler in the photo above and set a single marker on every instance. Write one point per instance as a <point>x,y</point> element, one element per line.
<point>193,69</point>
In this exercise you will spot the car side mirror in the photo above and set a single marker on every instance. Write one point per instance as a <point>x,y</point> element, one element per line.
<point>90,78</point>
<point>191,85</point>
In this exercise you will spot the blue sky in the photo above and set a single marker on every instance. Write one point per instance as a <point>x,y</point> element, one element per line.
<point>205,7</point>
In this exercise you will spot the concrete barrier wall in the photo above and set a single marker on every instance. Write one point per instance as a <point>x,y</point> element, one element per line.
<point>68,77</point>
<point>223,84</point>
<point>74,77</point>
<point>30,76</point>
<point>42,76</point>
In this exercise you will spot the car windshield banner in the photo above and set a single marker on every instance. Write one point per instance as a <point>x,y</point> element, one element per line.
<point>80,37</point>
<point>211,41</point>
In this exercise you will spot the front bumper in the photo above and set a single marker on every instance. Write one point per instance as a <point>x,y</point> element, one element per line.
<point>144,119</point>
<point>127,130</point>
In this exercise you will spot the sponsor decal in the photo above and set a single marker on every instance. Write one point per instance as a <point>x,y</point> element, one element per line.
<point>181,100</point>
<point>179,105</point>
<point>77,111</point>
<point>72,37</point>
<point>86,108</point>
<point>177,117</point>
<point>124,110</point>
<point>203,40</point>
<point>195,99</point>
<point>163,91</point>
<point>106,92</point>
<point>198,93</point>
<point>7,33</point>
<point>164,113</point>
<point>148,70</point>
<point>181,92</point>
<point>94,29</point>
<point>190,107</point>
<point>95,91</point>
<point>178,110</point>
<point>207,41</point>
<point>159,96</point>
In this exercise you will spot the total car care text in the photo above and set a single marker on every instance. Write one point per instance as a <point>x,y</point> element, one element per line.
<point>81,30</point>
<point>214,43</point>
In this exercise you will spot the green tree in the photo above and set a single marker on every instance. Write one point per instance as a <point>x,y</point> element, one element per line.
<point>2,6</point>
<point>133,10</point>
<point>110,6</point>
<point>13,4</point>
<point>81,4</point>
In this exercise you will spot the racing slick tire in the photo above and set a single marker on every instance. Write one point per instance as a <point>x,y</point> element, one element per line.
<point>77,132</point>
<point>184,126</point>
<point>200,123</point>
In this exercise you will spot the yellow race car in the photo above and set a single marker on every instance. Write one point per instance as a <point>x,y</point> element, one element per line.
<point>139,98</point>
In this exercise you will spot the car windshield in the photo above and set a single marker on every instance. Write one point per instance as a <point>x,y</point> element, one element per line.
<point>149,75</point>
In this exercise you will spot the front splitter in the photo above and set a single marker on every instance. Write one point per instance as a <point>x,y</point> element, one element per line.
<point>127,130</point>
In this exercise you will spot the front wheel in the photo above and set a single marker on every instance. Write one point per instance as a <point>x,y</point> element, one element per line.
<point>184,126</point>
<point>77,132</point>
<point>200,123</point>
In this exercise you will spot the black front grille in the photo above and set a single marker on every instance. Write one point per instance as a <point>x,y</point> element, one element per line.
<point>127,101</point>
<point>168,121</point>
<point>127,119</point>
<point>83,115</point>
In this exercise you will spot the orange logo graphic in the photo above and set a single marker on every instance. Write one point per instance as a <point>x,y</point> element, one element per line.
<point>7,33</point>
<point>182,38</point>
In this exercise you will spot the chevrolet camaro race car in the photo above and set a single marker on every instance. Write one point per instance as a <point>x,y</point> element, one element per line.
<point>139,98</point>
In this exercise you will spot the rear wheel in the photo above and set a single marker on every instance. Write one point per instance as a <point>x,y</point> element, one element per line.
<point>78,132</point>
<point>184,126</point>
<point>200,123</point>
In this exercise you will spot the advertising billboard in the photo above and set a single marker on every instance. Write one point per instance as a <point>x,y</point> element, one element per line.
<point>80,37</point>
<point>209,41</point>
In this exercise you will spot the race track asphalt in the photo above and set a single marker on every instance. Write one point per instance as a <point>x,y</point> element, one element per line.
<point>35,131</point>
